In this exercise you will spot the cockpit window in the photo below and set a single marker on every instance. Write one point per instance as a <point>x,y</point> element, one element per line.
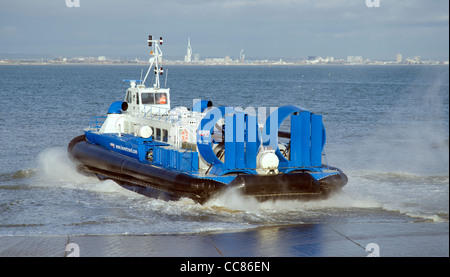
<point>154,98</point>
<point>148,98</point>
<point>161,98</point>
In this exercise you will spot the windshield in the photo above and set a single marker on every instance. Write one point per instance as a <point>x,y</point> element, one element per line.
<point>148,98</point>
<point>154,98</point>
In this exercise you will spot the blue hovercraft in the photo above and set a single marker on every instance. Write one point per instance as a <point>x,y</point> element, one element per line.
<point>146,146</point>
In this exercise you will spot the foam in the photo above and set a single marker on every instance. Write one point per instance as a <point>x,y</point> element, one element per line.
<point>55,169</point>
<point>234,200</point>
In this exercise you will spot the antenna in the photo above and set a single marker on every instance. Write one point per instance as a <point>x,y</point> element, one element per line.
<point>167,74</point>
<point>156,57</point>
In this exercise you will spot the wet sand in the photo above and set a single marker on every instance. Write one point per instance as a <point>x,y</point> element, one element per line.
<point>306,240</point>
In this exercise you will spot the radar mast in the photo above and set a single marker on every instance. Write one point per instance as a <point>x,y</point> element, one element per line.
<point>155,59</point>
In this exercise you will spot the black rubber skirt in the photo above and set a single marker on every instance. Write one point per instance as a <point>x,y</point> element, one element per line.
<point>167,184</point>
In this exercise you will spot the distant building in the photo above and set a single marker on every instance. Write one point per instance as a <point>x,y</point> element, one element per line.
<point>188,57</point>
<point>197,58</point>
<point>242,56</point>
<point>355,59</point>
<point>399,58</point>
<point>359,59</point>
<point>101,58</point>
<point>218,60</point>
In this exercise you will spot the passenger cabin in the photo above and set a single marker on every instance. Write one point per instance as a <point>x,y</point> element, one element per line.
<point>148,101</point>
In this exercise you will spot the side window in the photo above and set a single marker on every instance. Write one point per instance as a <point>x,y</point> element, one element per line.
<point>137,98</point>
<point>165,136</point>
<point>158,134</point>
<point>128,98</point>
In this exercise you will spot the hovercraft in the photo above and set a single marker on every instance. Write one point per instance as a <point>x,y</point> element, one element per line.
<point>146,146</point>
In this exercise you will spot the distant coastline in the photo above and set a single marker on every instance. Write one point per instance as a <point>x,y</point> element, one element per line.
<point>255,63</point>
<point>34,59</point>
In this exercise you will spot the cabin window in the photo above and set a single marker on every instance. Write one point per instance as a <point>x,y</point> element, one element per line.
<point>148,98</point>
<point>165,135</point>
<point>137,98</point>
<point>158,134</point>
<point>128,98</point>
<point>161,98</point>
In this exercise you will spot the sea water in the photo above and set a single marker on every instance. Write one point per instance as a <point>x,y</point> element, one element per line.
<point>387,129</point>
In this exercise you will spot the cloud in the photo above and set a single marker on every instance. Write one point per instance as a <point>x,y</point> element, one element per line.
<point>8,30</point>
<point>223,27</point>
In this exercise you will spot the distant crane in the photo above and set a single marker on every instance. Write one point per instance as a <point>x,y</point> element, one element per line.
<point>242,55</point>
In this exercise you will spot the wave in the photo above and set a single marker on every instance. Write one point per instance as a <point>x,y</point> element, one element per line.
<point>404,196</point>
<point>418,196</point>
<point>19,174</point>
<point>364,199</point>
<point>54,166</point>
<point>394,176</point>
<point>233,200</point>
<point>55,169</point>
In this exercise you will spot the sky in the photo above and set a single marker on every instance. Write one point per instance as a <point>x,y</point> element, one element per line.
<point>218,28</point>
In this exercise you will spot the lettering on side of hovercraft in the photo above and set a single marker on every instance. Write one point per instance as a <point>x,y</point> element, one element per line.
<point>123,148</point>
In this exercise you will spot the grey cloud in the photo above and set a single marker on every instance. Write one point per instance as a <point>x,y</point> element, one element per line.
<point>219,28</point>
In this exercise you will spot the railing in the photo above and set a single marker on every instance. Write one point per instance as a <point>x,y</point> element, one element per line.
<point>96,122</point>
<point>153,112</point>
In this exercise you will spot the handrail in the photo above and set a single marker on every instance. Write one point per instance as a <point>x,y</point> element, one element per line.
<point>153,112</point>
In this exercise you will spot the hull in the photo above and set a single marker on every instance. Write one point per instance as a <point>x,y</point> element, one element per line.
<point>168,184</point>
